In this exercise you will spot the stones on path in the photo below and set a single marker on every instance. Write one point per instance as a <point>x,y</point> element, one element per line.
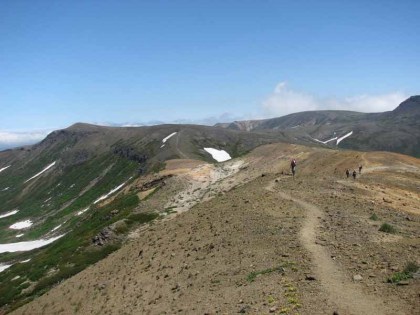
<point>244,309</point>
<point>357,278</point>
<point>403,283</point>
<point>310,277</point>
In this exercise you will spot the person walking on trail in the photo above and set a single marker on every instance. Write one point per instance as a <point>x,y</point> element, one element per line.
<point>347,173</point>
<point>293,167</point>
<point>360,169</point>
<point>354,174</point>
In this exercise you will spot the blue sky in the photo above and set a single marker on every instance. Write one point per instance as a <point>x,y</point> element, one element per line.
<point>137,61</point>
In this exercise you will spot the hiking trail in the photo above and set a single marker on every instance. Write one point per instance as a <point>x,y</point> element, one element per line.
<point>347,296</point>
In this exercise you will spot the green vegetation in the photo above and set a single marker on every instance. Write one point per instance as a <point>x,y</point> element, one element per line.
<point>152,193</point>
<point>139,218</point>
<point>73,252</point>
<point>170,210</point>
<point>157,167</point>
<point>387,228</point>
<point>253,275</point>
<point>409,269</point>
<point>66,193</point>
<point>374,217</point>
<point>407,273</point>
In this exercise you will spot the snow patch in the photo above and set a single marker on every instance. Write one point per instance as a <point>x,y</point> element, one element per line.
<point>19,235</point>
<point>4,168</point>
<point>103,197</point>
<point>8,214</point>
<point>21,225</point>
<point>26,246</point>
<point>167,138</point>
<point>332,139</point>
<point>25,261</point>
<point>4,267</point>
<point>5,189</point>
<point>344,137</point>
<point>218,155</point>
<point>44,170</point>
<point>56,228</point>
<point>82,211</point>
<point>325,142</point>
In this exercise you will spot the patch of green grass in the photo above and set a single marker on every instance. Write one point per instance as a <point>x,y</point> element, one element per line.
<point>253,275</point>
<point>157,167</point>
<point>374,217</point>
<point>170,210</point>
<point>140,218</point>
<point>151,194</point>
<point>399,276</point>
<point>387,228</point>
<point>407,273</point>
<point>73,252</point>
<point>411,267</point>
<point>271,299</point>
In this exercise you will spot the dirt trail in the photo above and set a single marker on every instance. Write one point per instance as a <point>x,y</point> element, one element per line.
<point>347,296</point>
<point>369,167</point>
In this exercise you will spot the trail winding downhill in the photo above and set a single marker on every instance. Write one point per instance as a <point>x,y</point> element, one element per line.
<point>346,295</point>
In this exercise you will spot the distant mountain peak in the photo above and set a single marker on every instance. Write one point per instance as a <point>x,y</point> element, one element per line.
<point>409,105</point>
<point>82,126</point>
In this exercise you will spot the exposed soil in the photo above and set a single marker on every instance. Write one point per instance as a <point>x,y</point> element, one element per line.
<point>254,240</point>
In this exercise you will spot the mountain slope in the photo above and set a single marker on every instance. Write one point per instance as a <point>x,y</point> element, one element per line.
<point>80,189</point>
<point>397,131</point>
<point>255,243</point>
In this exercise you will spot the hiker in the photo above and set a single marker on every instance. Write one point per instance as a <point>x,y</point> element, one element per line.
<point>347,173</point>
<point>354,174</point>
<point>293,167</point>
<point>360,169</point>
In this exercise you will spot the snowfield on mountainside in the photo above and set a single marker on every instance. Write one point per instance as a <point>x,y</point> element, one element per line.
<point>218,155</point>
<point>27,245</point>
<point>7,214</point>
<point>44,170</point>
<point>21,225</point>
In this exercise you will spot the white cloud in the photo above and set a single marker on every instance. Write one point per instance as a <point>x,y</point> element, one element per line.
<point>285,100</point>
<point>12,138</point>
<point>372,103</point>
<point>211,120</point>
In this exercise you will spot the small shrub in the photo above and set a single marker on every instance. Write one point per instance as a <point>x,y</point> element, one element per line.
<point>399,276</point>
<point>411,267</point>
<point>407,273</point>
<point>387,228</point>
<point>251,276</point>
<point>374,217</point>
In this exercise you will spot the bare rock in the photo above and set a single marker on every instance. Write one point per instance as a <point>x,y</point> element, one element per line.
<point>403,283</point>
<point>244,309</point>
<point>310,277</point>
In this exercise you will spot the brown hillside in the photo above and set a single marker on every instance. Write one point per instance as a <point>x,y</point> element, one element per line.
<point>254,240</point>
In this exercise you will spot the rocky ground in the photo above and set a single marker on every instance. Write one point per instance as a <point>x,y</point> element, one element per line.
<point>254,240</point>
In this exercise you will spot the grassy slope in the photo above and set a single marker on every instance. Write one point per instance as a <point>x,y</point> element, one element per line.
<point>90,161</point>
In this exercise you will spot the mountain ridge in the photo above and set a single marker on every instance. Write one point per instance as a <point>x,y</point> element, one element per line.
<point>236,243</point>
<point>396,131</point>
